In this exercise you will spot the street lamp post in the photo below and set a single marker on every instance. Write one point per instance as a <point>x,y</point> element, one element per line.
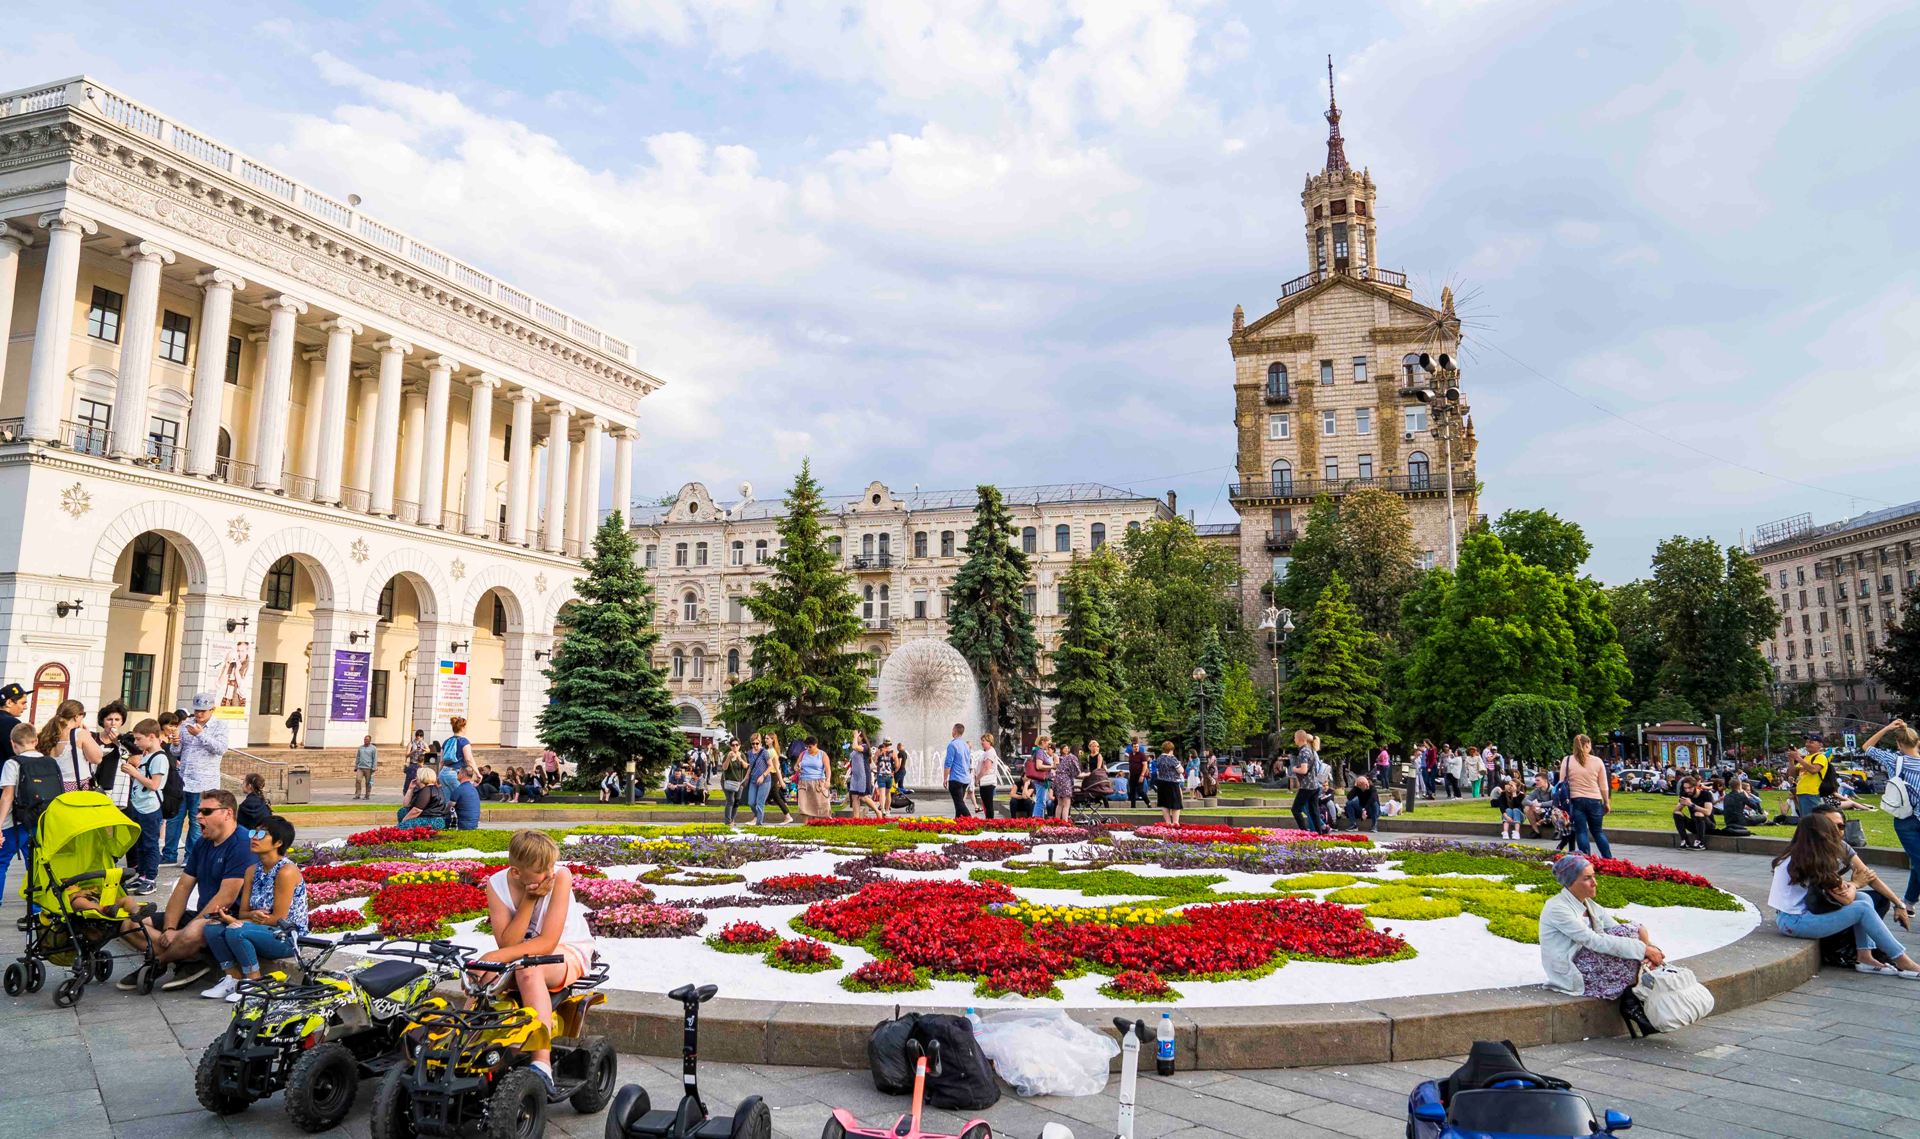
<point>1278,625</point>
<point>1200,679</point>
<point>1445,404</point>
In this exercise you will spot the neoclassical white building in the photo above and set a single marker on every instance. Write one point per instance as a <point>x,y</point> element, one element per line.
<point>259,443</point>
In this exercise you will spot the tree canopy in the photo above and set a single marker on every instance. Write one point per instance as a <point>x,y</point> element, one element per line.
<point>1544,539</point>
<point>1896,663</point>
<point>1334,689</point>
<point>1088,702</point>
<point>1712,611</point>
<point>988,619</point>
<point>1174,589</point>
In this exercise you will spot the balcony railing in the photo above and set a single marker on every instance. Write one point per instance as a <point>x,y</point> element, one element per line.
<point>298,486</point>
<point>878,623</point>
<point>1306,281</point>
<point>12,429</point>
<point>1281,540</point>
<point>1278,396</point>
<point>85,437</point>
<point>1433,483</point>
<point>404,511</point>
<point>354,499</point>
<point>871,561</point>
<point>233,472</point>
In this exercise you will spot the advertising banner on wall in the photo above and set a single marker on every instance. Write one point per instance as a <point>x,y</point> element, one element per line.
<point>351,670</point>
<point>230,677</point>
<point>450,692</point>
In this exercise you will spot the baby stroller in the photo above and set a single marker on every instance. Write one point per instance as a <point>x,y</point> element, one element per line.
<point>1091,798</point>
<point>76,843</point>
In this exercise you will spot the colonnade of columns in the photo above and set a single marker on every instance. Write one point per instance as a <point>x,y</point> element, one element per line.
<point>401,450</point>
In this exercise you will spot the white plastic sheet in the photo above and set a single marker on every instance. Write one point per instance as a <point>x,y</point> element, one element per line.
<point>1046,1053</point>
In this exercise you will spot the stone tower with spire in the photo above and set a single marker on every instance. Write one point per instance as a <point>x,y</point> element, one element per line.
<point>1325,384</point>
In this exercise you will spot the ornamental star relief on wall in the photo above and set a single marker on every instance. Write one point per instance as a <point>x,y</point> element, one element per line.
<point>239,530</point>
<point>75,500</point>
<point>458,569</point>
<point>359,550</point>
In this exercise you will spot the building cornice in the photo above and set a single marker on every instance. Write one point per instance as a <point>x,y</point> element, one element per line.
<point>1903,529</point>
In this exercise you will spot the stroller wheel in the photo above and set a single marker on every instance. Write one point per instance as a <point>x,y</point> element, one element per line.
<point>68,993</point>
<point>149,977</point>
<point>36,975</point>
<point>16,980</point>
<point>102,965</point>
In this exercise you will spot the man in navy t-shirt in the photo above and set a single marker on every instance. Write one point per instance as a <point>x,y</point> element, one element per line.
<point>214,875</point>
<point>466,802</point>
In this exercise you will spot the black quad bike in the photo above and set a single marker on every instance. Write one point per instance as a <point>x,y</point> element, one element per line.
<point>632,1116</point>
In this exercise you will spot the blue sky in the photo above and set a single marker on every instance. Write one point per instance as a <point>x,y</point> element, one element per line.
<point>1001,240</point>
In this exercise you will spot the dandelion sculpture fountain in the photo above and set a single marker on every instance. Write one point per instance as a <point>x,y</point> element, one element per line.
<point>926,688</point>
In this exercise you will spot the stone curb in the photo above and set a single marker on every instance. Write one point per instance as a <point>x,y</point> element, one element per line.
<point>1760,965</point>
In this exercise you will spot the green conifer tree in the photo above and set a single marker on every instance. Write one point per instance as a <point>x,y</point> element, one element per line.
<point>1334,689</point>
<point>1086,689</point>
<point>988,620</point>
<point>608,703</point>
<point>1213,661</point>
<point>807,678</point>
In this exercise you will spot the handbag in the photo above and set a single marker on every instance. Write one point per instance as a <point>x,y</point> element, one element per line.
<point>1673,997</point>
<point>1897,799</point>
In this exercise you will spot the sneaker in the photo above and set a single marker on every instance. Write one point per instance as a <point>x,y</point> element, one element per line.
<point>145,887</point>
<point>185,974</point>
<point>545,1073</point>
<point>233,998</point>
<point>128,983</point>
<point>221,991</point>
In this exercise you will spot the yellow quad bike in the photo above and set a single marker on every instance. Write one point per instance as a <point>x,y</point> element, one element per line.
<point>468,1070</point>
<point>319,1037</point>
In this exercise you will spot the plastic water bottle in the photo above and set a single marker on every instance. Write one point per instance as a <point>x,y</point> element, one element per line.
<point>973,1017</point>
<point>1163,1046</point>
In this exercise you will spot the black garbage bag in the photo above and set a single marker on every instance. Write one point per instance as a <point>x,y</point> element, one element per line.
<point>887,1054</point>
<point>965,1081</point>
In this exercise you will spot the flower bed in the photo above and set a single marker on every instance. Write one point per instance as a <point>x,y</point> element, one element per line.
<point>802,955</point>
<point>426,909</point>
<point>743,937</point>
<point>334,920</point>
<point>885,975</point>
<point>671,874</point>
<point>599,893</point>
<point>1133,985</point>
<point>790,888</point>
<point>392,836</point>
<point>645,920</point>
<point>916,860</point>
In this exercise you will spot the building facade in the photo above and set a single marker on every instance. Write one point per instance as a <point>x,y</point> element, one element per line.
<point>1326,387</point>
<point>261,444</point>
<point>1840,588</point>
<point>902,551</point>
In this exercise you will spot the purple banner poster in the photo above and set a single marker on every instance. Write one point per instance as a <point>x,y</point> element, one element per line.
<point>351,670</point>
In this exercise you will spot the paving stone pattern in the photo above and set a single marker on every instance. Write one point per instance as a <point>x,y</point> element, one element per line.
<point>1837,1057</point>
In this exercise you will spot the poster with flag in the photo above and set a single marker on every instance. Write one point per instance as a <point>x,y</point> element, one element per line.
<point>449,692</point>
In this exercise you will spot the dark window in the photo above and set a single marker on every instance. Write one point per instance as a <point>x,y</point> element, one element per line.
<point>919,543</point>
<point>1417,470</point>
<point>174,330</point>
<point>136,681</point>
<point>946,543</point>
<point>1029,540</point>
<point>1277,381</point>
<point>1059,599</point>
<point>103,315</point>
<point>377,697</point>
<point>95,427</point>
<point>506,443</point>
<point>1337,208</point>
<point>499,624</point>
<point>679,553</point>
<point>1326,373</point>
<point>273,687</point>
<point>1062,538</point>
<point>1029,598</point>
<point>920,607</point>
<point>886,546</point>
<point>1340,243</point>
<point>146,574</point>
<point>1366,466</point>
<point>163,439</point>
<point>1097,535</point>
<point>759,551</point>
<point>278,591</point>
<point>386,599</point>
<point>699,553</point>
<point>733,662</point>
<point>233,359</point>
<point>1282,477</point>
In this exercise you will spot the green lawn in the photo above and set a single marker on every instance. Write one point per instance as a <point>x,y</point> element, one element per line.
<point>1641,811</point>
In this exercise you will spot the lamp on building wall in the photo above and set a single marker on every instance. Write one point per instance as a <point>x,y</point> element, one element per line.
<point>236,623</point>
<point>542,654</point>
<point>459,646</point>
<point>68,608</point>
<point>356,638</point>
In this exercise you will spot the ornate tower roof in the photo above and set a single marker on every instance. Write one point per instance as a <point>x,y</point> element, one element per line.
<point>1336,146</point>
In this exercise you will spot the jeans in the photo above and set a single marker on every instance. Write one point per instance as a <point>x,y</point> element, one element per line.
<point>757,800</point>
<point>1371,812</point>
<point>1306,809</point>
<point>146,849</point>
<point>242,946</point>
<point>1869,932</point>
<point>958,789</point>
<point>13,840</point>
<point>1040,798</point>
<point>1137,789</point>
<point>363,782</point>
<point>449,778</point>
<point>400,820</point>
<point>1587,814</point>
<point>1907,830</point>
<point>187,819</point>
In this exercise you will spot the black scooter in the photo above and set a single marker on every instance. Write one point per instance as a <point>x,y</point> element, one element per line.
<point>632,1117</point>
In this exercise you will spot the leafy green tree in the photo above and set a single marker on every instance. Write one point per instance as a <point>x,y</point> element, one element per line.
<point>1665,707</point>
<point>1531,729</point>
<point>1542,538</point>
<point>988,618</point>
<point>1248,709</point>
<point>1631,607</point>
<point>1367,540</point>
<point>1208,695</point>
<point>807,678</point>
<point>1088,703</point>
<point>1334,689</point>
<point>1175,589</point>
<point>1896,663</point>
<point>607,702</point>
<point>1713,612</point>
<point>1600,666</point>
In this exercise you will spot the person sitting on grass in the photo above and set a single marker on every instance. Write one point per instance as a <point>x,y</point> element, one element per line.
<point>271,920</point>
<point>426,806</point>
<point>1363,802</point>
<point>532,910</point>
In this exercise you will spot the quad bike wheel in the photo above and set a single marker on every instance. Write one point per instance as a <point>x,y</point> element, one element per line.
<point>628,1107</point>
<point>393,1106</point>
<point>603,1073</point>
<point>206,1085</point>
<point>16,980</point>
<point>68,992</point>
<point>321,1087</point>
<point>753,1119</point>
<point>518,1107</point>
<point>36,975</point>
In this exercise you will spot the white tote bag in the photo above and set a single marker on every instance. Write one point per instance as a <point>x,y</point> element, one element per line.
<point>1673,996</point>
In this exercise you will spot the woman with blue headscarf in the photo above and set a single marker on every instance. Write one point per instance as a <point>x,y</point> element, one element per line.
<point>1585,950</point>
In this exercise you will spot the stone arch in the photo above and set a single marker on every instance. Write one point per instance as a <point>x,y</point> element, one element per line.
<point>198,545</point>
<point>429,584</point>
<point>315,554</point>
<point>510,586</point>
<point>558,599</point>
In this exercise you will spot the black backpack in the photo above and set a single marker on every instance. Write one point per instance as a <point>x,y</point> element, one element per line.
<point>39,784</point>
<point>172,791</point>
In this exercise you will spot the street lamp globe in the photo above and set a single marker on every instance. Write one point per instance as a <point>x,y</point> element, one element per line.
<point>1199,674</point>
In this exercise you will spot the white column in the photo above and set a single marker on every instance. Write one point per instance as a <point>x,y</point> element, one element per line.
<point>519,464</point>
<point>413,423</point>
<point>53,327</point>
<point>366,407</point>
<point>623,473</point>
<point>209,369</point>
<point>590,439</point>
<point>137,346</point>
<point>270,401</point>
<point>12,241</point>
<point>479,448</point>
<point>314,401</point>
<point>433,455</point>
<point>386,424</point>
<point>249,440</point>
<point>557,420</point>
<point>333,410</point>
<point>576,467</point>
<point>536,497</point>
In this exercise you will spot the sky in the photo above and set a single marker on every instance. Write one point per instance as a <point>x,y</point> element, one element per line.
<point>945,242</point>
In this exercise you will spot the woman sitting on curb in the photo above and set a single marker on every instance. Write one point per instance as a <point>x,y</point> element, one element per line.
<point>1587,951</point>
<point>1813,897</point>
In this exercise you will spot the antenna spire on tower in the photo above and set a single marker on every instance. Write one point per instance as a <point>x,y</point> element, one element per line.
<point>1336,147</point>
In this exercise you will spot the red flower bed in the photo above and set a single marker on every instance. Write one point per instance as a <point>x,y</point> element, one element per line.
<point>853,918</point>
<point>1196,833</point>
<point>746,933</point>
<point>1027,982</point>
<point>423,908</point>
<point>1621,868</point>
<point>884,975</point>
<point>580,870</point>
<point>384,836</point>
<point>1137,984</point>
<point>335,920</point>
<point>803,887</point>
<point>995,847</point>
<point>803,951</point>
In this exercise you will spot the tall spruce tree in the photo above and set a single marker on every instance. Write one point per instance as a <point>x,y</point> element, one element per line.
<point>1334,691</point>
<point>807,679</point>
<point>607,702</point>
<point>1897,662</point>
<point>1088,702</point>
<point>1208,696</point>
<point>988,618</point>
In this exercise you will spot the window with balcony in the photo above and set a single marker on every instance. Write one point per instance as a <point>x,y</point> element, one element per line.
<point>163,439</point>
<point>1097,535</point>
<point>1282,477</point>
<point>1279,426</point>
<point>1418,474</point>
<point>1329,423</point>
<point>1277,381</point>
<point>1363,421</point>
<point>886,546</point>
<point>93,426</point>
<point>1359,369</point>
<point>103,315</point>
<point>175,331</point>
<point>866,545</point>
<point>1062,538</point>
<point>1331,470</point>
<point>1029,540</point>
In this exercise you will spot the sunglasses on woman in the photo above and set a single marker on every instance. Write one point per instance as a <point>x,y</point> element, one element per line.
<point>256,834</point>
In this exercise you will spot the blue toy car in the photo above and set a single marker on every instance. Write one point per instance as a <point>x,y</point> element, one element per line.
<point>1494,1095</point>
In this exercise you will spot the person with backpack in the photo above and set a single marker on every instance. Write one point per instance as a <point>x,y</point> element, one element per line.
<point>28,782</point>
<point>147,776</point>
<point>455,753</point>
<point>426,805</point>
<point>1902,793</point>
<point>176,815</point>
<point>294,719</point>
<point>1311,773</point>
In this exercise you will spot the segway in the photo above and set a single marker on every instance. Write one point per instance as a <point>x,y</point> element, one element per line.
<point>632,1117</point>
<point>1133,1034</point>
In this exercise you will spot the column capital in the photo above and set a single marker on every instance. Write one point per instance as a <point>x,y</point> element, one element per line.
<point>393,344</point>
<point>280,301</point>
<point>594,423</point>
<point>341,324</point>
<point>443,363</point>
<point>219,279</point>
<point>524,395</point>
<point>148,251</point>
<point>67,220</point>
<point>563,408</point>
<point>363,371</point>
<point>257,335</point>
<point>483,380</point>
<point>314,354</point>
<point>625,433</point>
<point>19,238</point>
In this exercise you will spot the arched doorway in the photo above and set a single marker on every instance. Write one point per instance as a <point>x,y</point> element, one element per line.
<point>289,596</point>
<point>144,626</point>
<point>396,647</point>
<point>495,616</point>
